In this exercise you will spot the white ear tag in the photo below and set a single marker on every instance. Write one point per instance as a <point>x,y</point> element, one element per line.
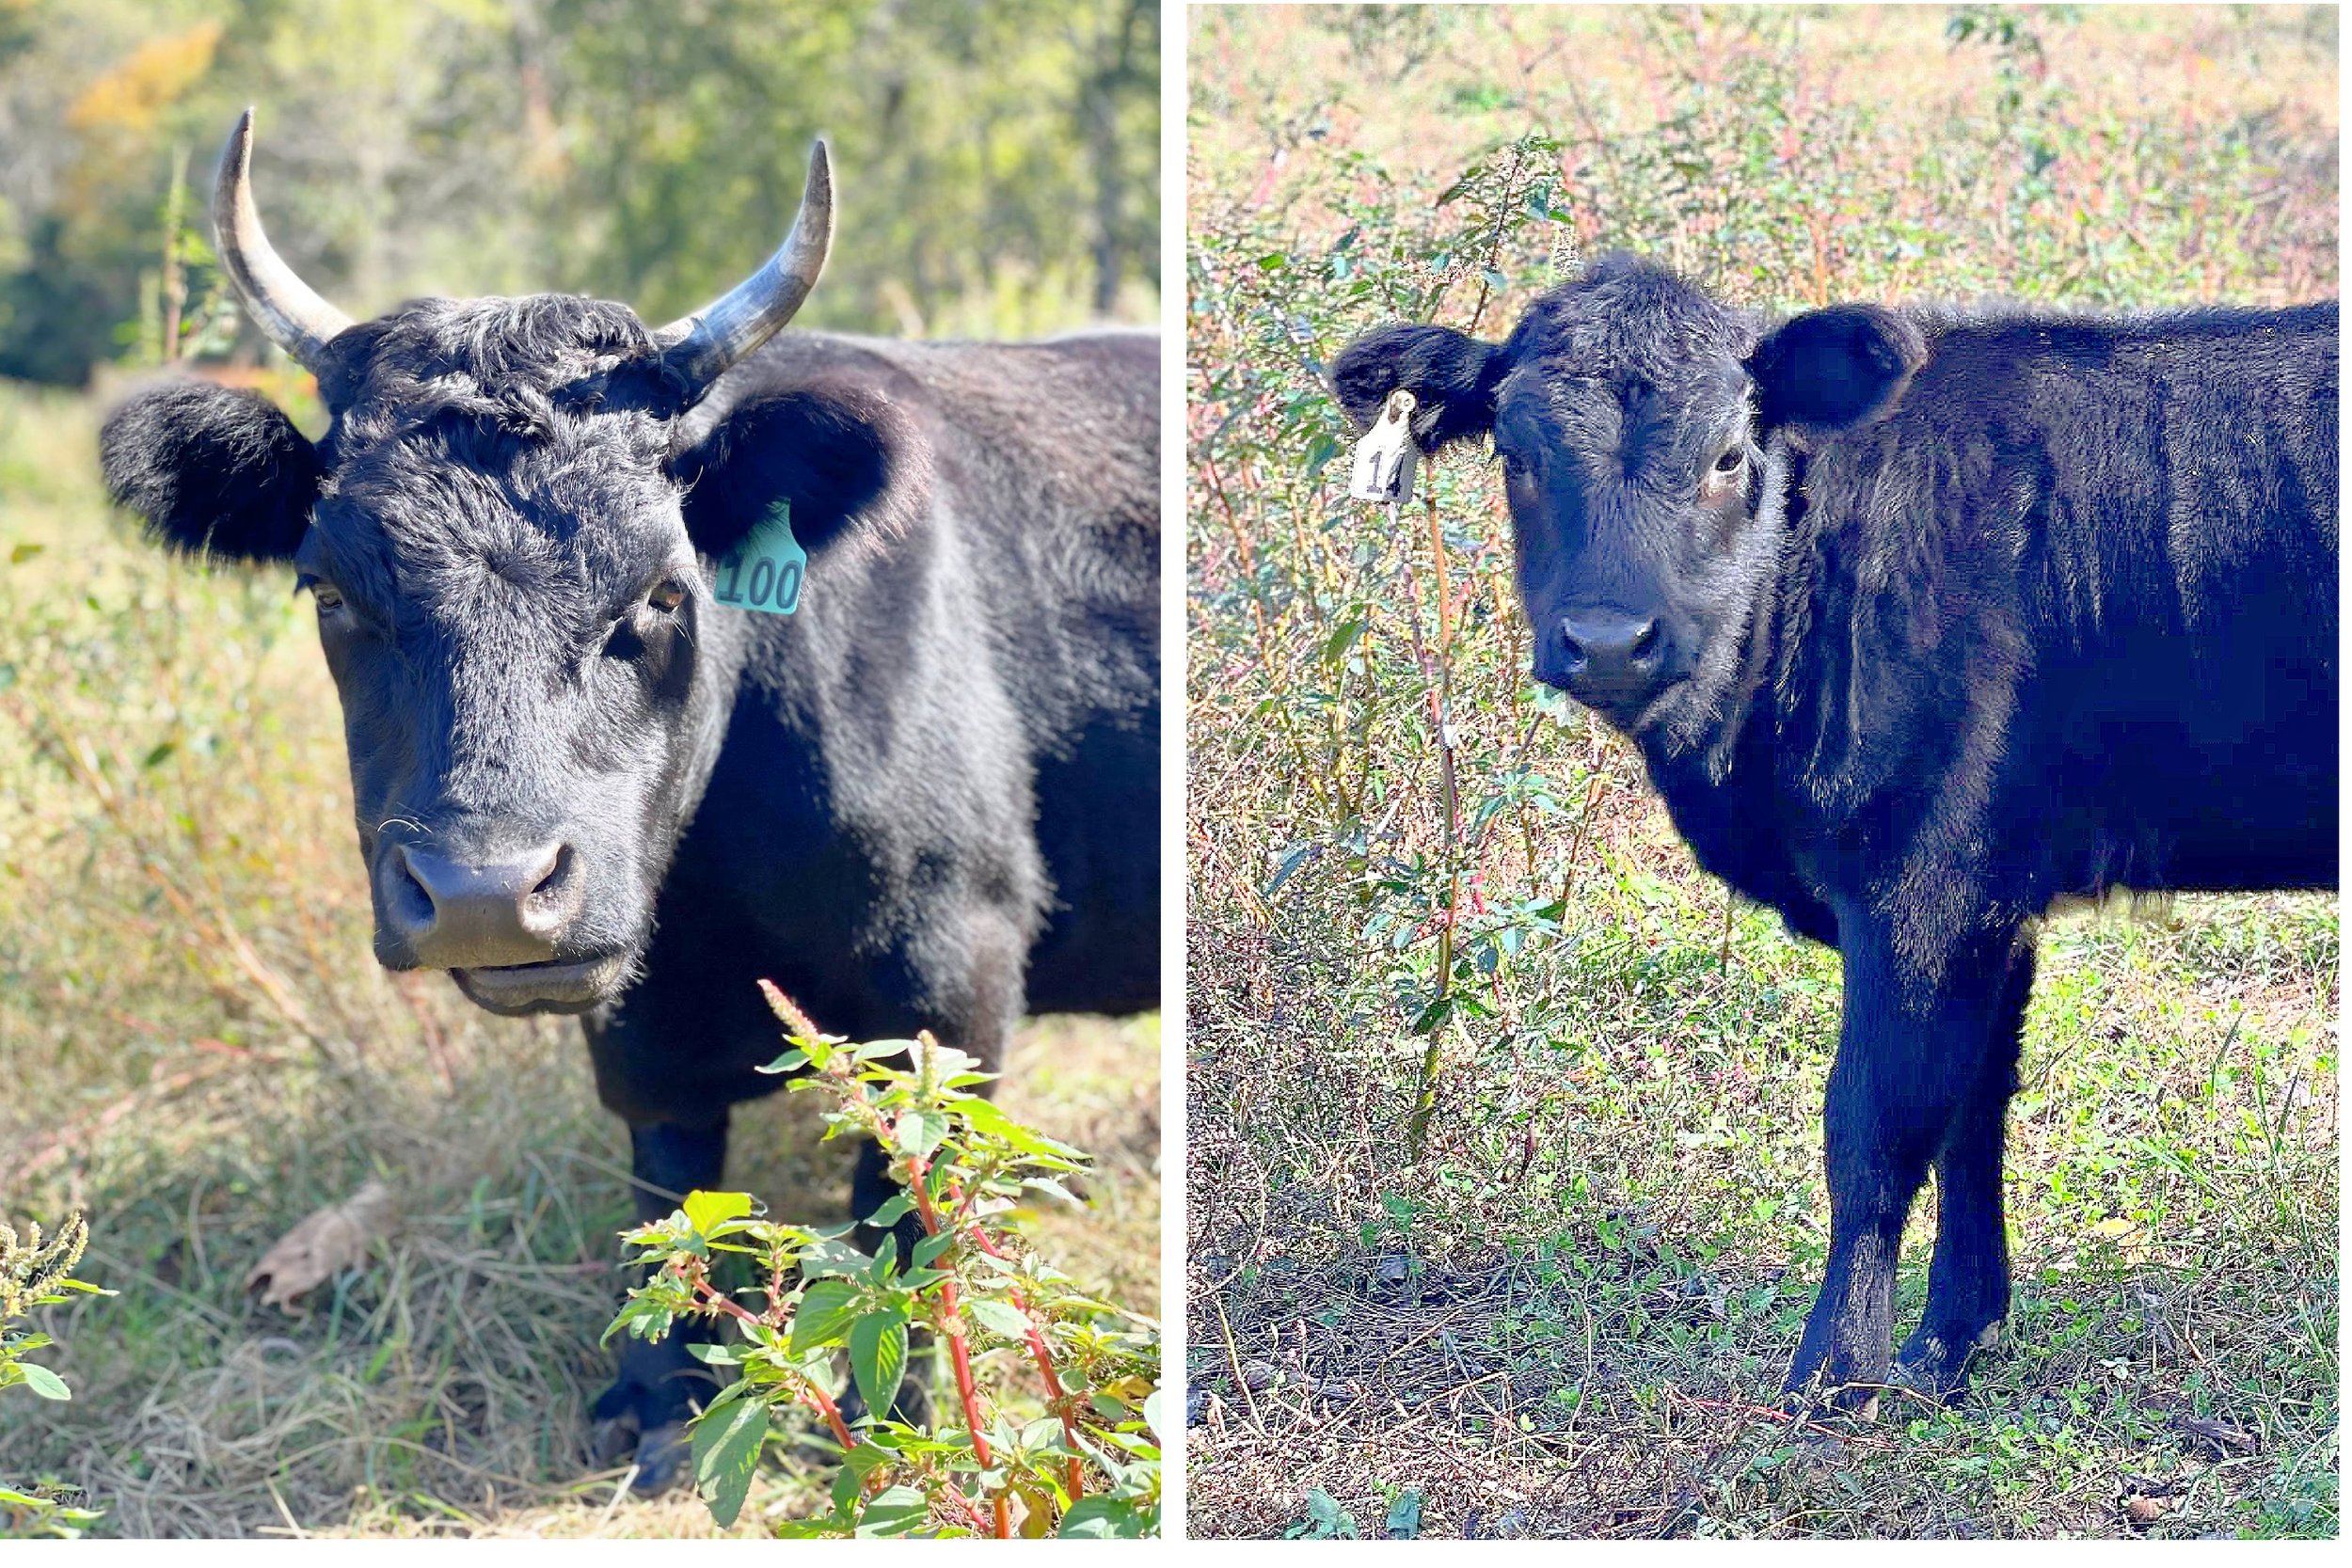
<point>1386,457</point>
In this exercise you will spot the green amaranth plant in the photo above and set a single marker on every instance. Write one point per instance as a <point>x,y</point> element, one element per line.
<point>1087,1465</point>
<point>36,1274</point>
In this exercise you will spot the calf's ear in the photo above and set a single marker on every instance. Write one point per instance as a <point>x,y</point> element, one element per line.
<point>849,461</point>
<point>1834,369</point>
<point>1452,376</point>
<point>212,469</point>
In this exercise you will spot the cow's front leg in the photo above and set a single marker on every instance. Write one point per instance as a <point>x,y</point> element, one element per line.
<point>1968,1283</point>
<point>1909,1056</point>
<point>644,1414</point>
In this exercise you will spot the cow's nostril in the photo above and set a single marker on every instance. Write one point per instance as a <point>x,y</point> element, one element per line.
<point>1645,644</point>
<point>411,885</point>
<point>1574,649</point>
<point>559,874</point>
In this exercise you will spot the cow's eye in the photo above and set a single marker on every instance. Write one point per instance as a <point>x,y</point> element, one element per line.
<point>325,594</point>
<point>667,595</point>
<point>1731,459</point>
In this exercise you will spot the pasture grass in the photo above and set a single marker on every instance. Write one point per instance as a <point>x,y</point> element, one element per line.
<point>1569,1311</point>
<point>196,1049</point>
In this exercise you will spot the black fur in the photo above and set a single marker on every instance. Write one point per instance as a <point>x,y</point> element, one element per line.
<point>1953,617</point>
<point>927,800</point>
<point>211,470</point>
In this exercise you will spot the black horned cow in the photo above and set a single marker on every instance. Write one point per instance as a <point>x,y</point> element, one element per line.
<point>1922,621</point>
<point>927,799</point>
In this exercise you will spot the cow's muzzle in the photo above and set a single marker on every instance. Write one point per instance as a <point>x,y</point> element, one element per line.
<point>1615,663</point>
<point>479,912</point>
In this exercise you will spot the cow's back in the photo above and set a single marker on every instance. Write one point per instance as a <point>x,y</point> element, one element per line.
<point>2090,571</point>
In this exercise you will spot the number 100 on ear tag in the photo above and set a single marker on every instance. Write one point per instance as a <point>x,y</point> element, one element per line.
<point>764,572</point>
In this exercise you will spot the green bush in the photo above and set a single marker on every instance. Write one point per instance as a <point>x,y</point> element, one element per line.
<point>33,1274</point>
<point>1087,1465</point>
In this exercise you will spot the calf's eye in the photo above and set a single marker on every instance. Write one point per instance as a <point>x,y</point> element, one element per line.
<point>325,594</point>
<point>667,595</point>
<point>1731,459</point>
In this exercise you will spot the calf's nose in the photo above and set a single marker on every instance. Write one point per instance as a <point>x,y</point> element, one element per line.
<point>481,914</point>
<point>1613,657</point>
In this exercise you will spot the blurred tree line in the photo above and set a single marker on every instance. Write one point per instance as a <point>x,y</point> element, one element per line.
<point>997,161</point>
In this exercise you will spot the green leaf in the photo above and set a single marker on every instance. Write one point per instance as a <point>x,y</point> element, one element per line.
<point>849,1481</point>
<point>1100,1519</point>
<point>705,1211</point>
<point>727,1450</point>
<point>1152,1412</point>
<point>24,552</point>
<point>1404,1521</point>
<point>791,1061</point>
<point>878,1357</point>
<point>927,1251</point>
<point>919,1132</point>
<point>828,1308</point>
<point>1003,1317</point>
<point>828,1256</point>
<point>48,1385</point>
<point>1052,1188</point>
<point>895,1208</point>
<point>893,1510</point>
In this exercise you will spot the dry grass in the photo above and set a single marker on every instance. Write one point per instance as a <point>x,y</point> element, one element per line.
<point>197,1050</point>
<point>1564,1316</point>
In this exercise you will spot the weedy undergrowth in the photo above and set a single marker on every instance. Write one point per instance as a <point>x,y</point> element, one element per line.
<point>1019,1335</point>
<point>34,1272</point>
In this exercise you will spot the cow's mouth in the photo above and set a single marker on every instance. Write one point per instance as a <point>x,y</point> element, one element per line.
<point>569,986</point>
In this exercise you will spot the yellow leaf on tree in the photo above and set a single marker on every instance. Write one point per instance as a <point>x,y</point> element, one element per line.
<point>129,97</point>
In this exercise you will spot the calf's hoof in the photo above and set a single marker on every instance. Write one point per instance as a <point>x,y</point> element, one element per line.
<point>643,1423</point>
<point>660,1455</point>
<point>1934,1362</point>
<point>1810,1400</point>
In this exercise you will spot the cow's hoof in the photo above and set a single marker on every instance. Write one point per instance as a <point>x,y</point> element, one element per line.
<point>1818,1397</point>
<point>1935,1364</point>
<point>661,1458</point>
<point>664,1459</point>
<point>641,1420</point>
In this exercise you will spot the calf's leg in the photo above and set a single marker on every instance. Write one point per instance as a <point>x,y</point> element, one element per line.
<point>1968,1282</point>
<point>645,1409</point>
<point>1910,1055</point>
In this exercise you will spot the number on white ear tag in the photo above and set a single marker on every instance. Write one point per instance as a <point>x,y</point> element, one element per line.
<point>1386,457</point>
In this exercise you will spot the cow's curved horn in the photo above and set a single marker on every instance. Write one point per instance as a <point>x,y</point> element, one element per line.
<point>700,346</point>
<point>283,306</point>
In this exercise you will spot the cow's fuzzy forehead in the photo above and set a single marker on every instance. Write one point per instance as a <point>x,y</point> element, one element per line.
<point>1628,319</point>
<point>486,448</point>
<point>1627,359</point>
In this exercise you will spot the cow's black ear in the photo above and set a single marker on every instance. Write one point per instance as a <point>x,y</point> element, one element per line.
<point>848,458</point>
<point>212,468</point>
<point>1831,370</point>
<point>1452,376</point>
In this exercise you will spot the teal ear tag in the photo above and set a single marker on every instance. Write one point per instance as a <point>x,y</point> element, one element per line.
<point>764,572</point>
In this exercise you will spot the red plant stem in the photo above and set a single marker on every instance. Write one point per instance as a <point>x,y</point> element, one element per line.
<point>1044,1358</point>
<point>958,1348</point>
<point>817,1397</point>
<point>971,1508</point>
